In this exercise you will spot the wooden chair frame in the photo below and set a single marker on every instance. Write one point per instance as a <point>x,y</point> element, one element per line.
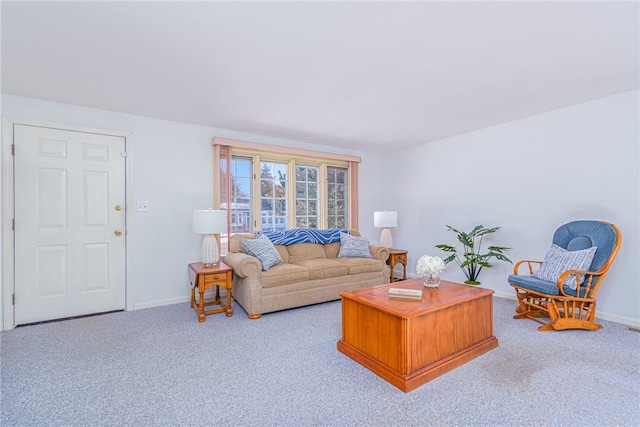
<point>564,311</point>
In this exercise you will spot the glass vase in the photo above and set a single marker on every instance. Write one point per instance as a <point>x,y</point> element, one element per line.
<point>431,280</point>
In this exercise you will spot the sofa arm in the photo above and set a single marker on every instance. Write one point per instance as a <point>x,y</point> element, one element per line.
<point>243,265</point>
<point>379,252</point>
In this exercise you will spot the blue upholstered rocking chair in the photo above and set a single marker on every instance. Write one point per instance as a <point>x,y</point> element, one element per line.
<point>561,290</point>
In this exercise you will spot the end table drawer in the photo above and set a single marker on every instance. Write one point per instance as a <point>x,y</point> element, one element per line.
<point>215,279</point>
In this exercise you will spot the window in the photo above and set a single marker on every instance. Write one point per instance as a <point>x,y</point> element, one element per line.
<point>307,200</point>
<point>281,188</point>
<point>273,196</point>
<point>337,197</point>
<point>241,195</point>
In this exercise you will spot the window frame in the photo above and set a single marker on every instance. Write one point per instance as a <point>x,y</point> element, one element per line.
<point>292,162</point>
<point>293,157</point>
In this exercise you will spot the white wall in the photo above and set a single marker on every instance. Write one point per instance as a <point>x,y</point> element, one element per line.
<point>172,169</point>
<point>529,176</point>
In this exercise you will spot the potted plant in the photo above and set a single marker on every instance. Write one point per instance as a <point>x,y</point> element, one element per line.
<point>473,261</point>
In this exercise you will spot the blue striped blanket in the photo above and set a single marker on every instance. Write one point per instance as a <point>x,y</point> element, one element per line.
<point>302,235</point>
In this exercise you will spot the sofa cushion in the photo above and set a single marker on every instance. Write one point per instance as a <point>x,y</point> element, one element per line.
<point>263,249</point>
<point>361,265</point>
<point>284,274</point>
<point>322,268</point>
<point>353,247</point>
<point>302,251</point>
<point>542,286</point>
<point>235,244</point>
<point>332,249</point>
<point>284,253</point>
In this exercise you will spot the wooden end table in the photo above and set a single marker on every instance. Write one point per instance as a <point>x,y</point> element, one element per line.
<point>397,256</point>
<point>204,278</point>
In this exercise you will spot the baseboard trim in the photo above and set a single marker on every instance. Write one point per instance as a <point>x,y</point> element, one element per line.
<point>601,315</point>
<point>506,295</point>
<point>160,303</point>
<point>619,319</point>
<point>209,294</point>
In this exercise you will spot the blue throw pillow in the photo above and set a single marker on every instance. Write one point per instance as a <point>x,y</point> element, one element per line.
<point>558,260</point>
<point>262,248</point>
<point>353,247</point>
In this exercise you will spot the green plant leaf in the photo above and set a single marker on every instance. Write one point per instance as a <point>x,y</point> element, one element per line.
<point>447,248</point>
<point>476,230</point>
<point>448,259</point>
<point>498,248</point>
<point>450,228</point>
<point>465,263</point>
<point>487,231</point>
<point>502,257</point>
<point>465,239</point>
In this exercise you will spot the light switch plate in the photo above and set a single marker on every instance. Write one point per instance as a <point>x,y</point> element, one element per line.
<point>142,206</point>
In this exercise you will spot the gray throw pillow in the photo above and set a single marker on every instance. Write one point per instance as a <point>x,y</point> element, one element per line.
<point>262,248</point>
<point>353,247</point>
<point>558,260</point>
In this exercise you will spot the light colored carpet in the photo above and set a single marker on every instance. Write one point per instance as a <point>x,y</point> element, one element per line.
<point>159,367</point>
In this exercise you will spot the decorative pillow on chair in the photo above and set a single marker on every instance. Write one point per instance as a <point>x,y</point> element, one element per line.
<point>558,260</point>
<point>353,247</point>
<point>262,248</point>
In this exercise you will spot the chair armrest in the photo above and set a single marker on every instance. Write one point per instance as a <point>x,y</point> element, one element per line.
<point>529,264</point>
<point>243,265</point>
<point>589,275</point>
<point>379,252</point>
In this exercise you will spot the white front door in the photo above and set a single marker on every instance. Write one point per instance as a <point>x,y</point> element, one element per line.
<point>69,192</point>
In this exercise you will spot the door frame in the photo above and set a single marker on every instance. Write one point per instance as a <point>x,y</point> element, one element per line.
<point>7,321</point>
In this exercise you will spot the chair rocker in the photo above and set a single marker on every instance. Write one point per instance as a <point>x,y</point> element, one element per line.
<point>556,305</point>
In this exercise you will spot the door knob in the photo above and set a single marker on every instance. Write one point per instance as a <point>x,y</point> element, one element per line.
<point>118,233</point>
<point>118,207</point>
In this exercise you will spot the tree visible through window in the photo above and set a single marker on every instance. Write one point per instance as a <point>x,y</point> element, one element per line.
<point>307,196</point>
<point>337,197</point>
<point>273,196</point>
<point>241,218</point>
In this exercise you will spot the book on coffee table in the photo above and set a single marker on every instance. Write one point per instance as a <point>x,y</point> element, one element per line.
<point>405,293</point>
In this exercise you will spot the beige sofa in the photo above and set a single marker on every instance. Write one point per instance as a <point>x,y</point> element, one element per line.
<point>310,273</point>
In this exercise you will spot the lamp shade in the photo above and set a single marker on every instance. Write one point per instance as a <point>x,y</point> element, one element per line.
<point>385,219</point>
<point>209,221</point>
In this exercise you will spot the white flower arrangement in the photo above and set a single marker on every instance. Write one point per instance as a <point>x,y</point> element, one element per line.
<point>430,265</point>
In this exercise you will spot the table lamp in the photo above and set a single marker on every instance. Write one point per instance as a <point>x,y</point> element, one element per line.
<point>210,222</point>
<point>386,220</point>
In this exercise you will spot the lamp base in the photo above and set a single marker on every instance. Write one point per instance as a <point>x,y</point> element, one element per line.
<point>385,238</point>
<point>207,265</point>
<point>210,254</point>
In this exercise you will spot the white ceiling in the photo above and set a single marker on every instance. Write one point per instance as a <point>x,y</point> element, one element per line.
<point>372,76</point>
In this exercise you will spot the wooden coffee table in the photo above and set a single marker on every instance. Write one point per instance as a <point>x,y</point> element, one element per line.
<point>410,342</point>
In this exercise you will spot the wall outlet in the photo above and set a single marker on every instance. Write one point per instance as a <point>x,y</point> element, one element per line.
<point>142,206</point>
